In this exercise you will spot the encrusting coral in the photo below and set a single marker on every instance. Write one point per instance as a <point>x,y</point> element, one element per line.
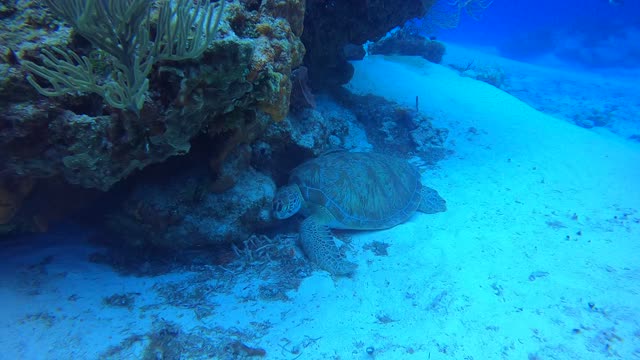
<point>122,29</point>
<point>94,144</point>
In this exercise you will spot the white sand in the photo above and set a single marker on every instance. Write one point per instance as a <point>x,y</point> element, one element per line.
<point>519,171</point>
<point>605,98</point>
<point>455,285</point>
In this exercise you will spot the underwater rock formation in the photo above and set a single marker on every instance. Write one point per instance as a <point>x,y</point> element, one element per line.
<point>243,75</point>
<point>233,100</point>
<point>189,208</point>
<point>307,134</point>
<point>182,204</point>
<point>92,144</point>
<point>395,129</point>
<point>329,26</point>
<point>404,43</point>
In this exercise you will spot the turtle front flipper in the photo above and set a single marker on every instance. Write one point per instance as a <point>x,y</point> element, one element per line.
<point>431,202</point>
<point>319,246</point>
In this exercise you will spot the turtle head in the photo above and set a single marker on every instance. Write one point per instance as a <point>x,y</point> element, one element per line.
<point>287,202</point>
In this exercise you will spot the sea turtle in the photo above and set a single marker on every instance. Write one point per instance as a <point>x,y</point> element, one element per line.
<point>351,190</point>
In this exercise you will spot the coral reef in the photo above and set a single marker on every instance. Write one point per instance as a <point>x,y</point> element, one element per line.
<point>94,145</point>
<point>346,121</point>
<point>183,204</point>
<point>394,129</point>
<point>329,26</point>
<point>401,42</point>
<point>191,209</point>
<point>81,138</point>
<point>224,113</point>
<point>306,134</point>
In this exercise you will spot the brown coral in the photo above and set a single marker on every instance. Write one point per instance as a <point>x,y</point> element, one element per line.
<point>247,69</point>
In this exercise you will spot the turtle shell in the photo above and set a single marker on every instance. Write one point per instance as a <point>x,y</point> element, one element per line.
<point>360,190</point>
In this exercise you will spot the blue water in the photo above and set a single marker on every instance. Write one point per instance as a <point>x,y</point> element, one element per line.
<point>591,33</point>
<point>536,257</point>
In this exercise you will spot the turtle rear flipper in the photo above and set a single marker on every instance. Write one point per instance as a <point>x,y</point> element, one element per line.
<point>431,202</point>
<point>319,246</point>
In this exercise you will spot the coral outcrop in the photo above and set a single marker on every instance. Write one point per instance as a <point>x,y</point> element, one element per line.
<point>91,144</point>
<point>196,160</point>
<point>403,42</point>
<point>330,26</point>
<point>395,129</point>
<point>183,204</point>
<point>189,208</point>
